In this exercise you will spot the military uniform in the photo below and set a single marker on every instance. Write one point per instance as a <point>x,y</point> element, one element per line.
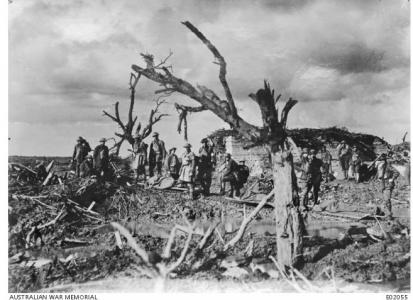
<point>355,165</point>
<point>387,193</point>
<point>80,152</point>
<point>186,174</point>
<point>157,153</point>
<point>101,160</point>
<point>344,156</point>
<point>326,158</point>
<point>313,179</point>
<point>139,158</point>
<point>173,165</point>
<point>205,168</point>
<point>381,166</point>
<point>228,175</point>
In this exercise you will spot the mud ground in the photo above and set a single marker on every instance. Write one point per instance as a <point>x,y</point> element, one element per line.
<point>55,262</point>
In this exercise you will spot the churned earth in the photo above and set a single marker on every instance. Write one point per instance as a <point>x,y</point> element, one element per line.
<point>79,252</point>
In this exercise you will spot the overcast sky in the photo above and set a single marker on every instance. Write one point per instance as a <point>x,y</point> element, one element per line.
<point>346,61</point>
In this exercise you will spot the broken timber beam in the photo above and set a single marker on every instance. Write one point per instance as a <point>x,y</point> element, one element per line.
<point>23,167</point>
<point>248,202</point>
<point>48,178</point>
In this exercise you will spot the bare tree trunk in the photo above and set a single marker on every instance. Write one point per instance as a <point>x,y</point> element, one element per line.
<point>287,215</point>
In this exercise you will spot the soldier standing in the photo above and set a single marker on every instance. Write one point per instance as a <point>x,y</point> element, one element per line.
<point>101,159</point>
<point>344,156</point>
<point>205,166</point>
<point>80,152</point>
<point>227,175</point>
<point>326,158</point>
<point>356,164</point>
<point>387,193</point>
<point>157,153</point>
<point>139,152</point>
<point>313,178</point>
<point>186,174</point>
<point>172,164</point>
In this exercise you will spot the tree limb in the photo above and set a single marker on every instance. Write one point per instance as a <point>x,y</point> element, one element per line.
<point>221,62</point>
<point>190,108</point>
<point>163,61</point>
<point>133,81</point>
<point>132,243</point>
<point>246,221</point>
<point>153,118</point>
<point>218,107</point>
<point>116,118</point>
<point>183,253</point>
<point>284,114</point>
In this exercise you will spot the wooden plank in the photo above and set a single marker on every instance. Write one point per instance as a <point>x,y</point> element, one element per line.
<point>352,217</point>
<point>118,239</point>
<point>50,166</point>
<point>75,241</point>
<point>49,176</point>
<point>23,167</point>
<point>248,202</point>
<point>91,206</point>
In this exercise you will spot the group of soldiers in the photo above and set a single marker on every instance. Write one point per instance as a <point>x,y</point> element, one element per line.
<point>189,167</point>
<point>314,169</point>
<point>350,160</point>
<point>85,164</point>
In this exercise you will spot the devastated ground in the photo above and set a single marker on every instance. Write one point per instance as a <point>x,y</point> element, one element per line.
<point>60,237</point>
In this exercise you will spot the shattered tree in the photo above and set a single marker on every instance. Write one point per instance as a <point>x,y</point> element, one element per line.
<point>272,135</point>
<point>128,128</point>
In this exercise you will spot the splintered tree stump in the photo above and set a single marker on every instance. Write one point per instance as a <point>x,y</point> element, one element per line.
<point>289,240</point>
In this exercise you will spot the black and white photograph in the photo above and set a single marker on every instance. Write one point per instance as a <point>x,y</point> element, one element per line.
<point>208,146</point>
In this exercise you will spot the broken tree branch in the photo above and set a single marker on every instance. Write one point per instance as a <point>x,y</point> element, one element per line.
<point>246,221</point>
<point>163,61</point>
<point>183,253</point>
<point>284,114</point>
<point>221,62</point>
<point>153,117</point>
<point>183,112</point>
<point>207,235</point>
<point>171,239</point>
<point>33,198</point>
<point>52,222</point>
<point>132,243</point>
